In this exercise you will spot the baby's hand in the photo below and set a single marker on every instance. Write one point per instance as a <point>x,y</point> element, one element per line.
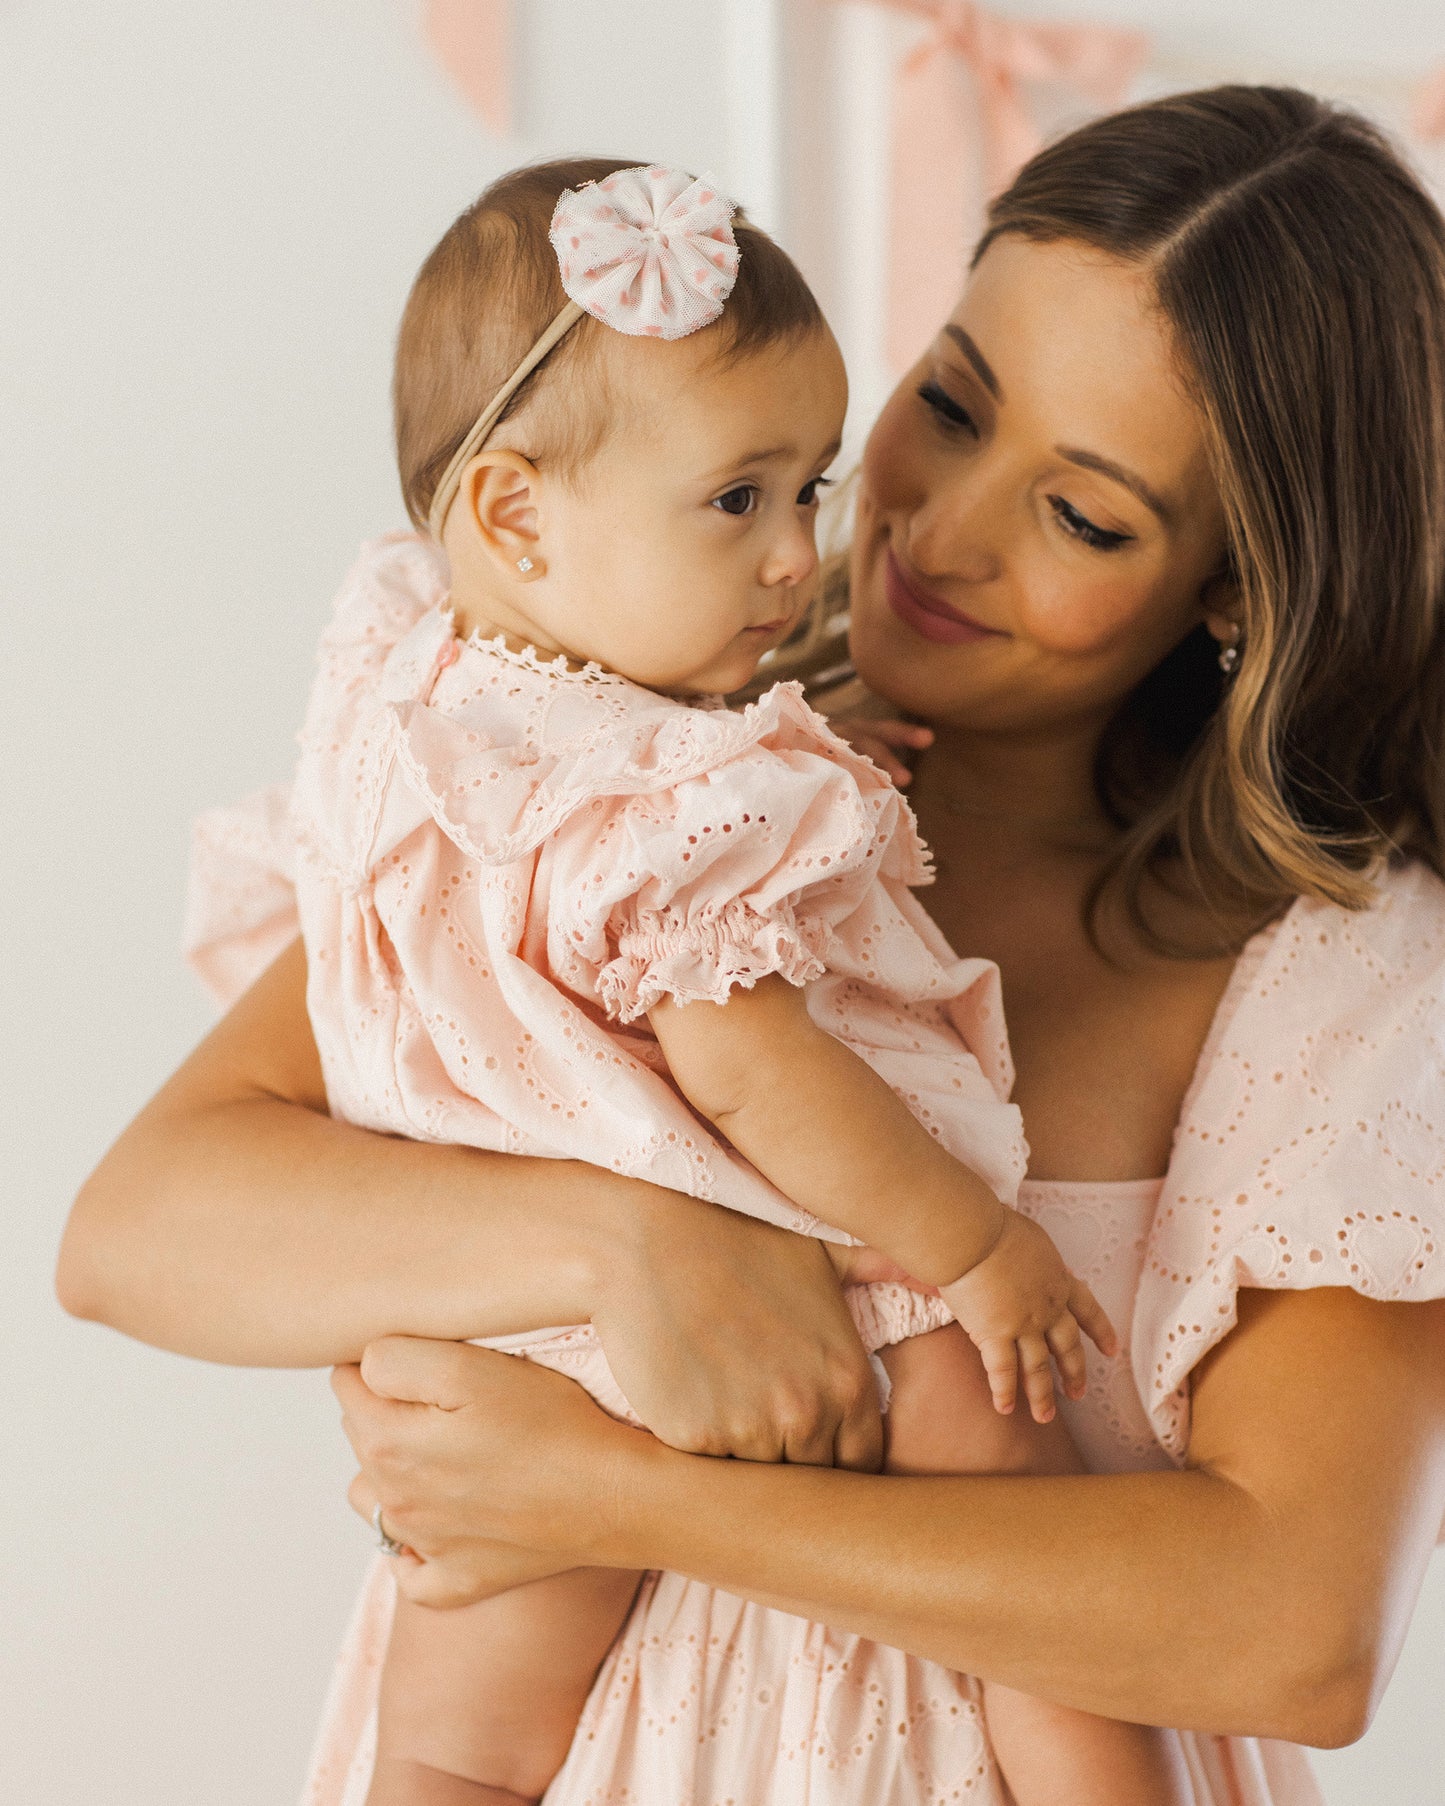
<point>1020,1305</point>
<point>883,742</point>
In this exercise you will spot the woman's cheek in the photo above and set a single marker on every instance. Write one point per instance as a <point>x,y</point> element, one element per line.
<point>888,464</point>
<point>1078,613</point>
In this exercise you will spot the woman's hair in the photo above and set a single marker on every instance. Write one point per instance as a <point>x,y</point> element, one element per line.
<point>1301,269</point>
<point>488,291</point>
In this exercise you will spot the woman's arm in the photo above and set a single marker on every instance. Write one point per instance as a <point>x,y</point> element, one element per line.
<point>236,1221</point>
<point>1264,1590</point>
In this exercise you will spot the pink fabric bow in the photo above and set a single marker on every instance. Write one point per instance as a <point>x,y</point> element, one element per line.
<point>649,252</point>
<point>971,67</point>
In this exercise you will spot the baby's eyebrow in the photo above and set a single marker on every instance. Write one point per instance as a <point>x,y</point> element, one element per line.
<point>774,454</point>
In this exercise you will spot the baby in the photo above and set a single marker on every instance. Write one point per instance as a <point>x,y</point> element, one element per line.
<point>557,899</point>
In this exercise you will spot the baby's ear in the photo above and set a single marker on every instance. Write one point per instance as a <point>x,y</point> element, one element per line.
<point>499,501</point>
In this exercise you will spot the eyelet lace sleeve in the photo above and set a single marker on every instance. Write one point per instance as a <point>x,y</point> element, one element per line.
<point>241,893</point>
<point>777,860</point>
<point>1311,1151</point>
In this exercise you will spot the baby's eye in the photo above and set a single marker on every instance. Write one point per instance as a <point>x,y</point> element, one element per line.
<point>739,500</point>
<point>808,494</point>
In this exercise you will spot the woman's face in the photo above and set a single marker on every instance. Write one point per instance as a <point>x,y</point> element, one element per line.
<point>1037,524</point>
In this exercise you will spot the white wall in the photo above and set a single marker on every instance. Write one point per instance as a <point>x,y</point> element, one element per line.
<point>209,216</point>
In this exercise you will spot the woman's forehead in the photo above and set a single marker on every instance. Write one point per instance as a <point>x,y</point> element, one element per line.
<point>1079,350</point>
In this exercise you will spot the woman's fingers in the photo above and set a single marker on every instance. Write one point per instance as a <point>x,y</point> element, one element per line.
<point>772,1368</point>
<point>417,1371</point>
<point>866,1266</point>
<point>1068,1351</point>
<point>859,1440</point>
<point>1000,1363</point>
<point>1091,1317</point>
<point>363,1501</point>
<point>1038,1372</point>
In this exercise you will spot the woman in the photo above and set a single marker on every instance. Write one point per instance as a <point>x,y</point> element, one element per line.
<point>1154,541</point>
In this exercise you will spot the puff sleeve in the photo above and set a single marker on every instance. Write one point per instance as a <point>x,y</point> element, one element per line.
<point>1311,1150</point>
<point>241,893</point>
<point>762,863</point>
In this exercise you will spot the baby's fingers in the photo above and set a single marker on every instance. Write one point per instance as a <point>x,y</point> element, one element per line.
<point>1038,1377</point>
<point>1068,1350</point>
<point>879,738</point>
<point>1000,1363</point>
<point>887,761</point>
<point>1092,1320</point>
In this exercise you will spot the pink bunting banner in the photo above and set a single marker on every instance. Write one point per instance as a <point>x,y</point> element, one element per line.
<point>963,125</point>
<point>1428,112</point>
<point>473,40</point>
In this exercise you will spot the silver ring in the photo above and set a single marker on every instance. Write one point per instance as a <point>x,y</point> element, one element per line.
<point>387,1544</point>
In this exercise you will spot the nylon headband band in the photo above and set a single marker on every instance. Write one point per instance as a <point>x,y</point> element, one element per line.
<point>446,489</point>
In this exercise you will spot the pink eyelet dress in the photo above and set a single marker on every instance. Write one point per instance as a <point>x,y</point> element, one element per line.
<point>486,855</point>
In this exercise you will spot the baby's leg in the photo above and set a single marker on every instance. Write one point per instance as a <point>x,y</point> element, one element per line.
<point>941,1420</point>
<point>478,1705</point>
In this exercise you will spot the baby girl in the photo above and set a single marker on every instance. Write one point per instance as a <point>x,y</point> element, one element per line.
<point>558,899</point>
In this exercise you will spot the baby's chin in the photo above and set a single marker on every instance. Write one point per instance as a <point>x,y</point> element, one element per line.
<point>722,677</point>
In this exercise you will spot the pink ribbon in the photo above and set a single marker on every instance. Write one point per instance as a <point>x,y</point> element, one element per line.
<point>959,111</point>
<point>1427,115</point>
<point>473,39</point>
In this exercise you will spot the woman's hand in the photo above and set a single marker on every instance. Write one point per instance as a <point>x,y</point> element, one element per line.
<point>489,1469</point>
<point>731,1337</point>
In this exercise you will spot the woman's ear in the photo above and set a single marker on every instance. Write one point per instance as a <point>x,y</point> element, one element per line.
<point>499,506</point>
<point>1223,608</point>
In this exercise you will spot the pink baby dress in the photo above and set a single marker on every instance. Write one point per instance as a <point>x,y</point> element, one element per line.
<point>1311,1149</point>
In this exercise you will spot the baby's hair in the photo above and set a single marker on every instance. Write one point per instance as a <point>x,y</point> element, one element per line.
<point>488,291</point>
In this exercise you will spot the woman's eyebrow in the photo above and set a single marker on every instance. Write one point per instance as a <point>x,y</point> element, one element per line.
<point>1106,467</point>
<point>982,368</point>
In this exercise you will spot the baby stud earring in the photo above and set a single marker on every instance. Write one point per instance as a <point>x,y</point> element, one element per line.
<point>524,565</point>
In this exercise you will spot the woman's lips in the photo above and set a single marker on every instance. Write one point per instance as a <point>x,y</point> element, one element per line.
<point>928,615</point>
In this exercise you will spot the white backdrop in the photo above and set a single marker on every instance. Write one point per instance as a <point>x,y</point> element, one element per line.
<point>209,218</point>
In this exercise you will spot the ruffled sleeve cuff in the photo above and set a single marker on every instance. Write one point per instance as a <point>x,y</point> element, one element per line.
<point>664,954</point>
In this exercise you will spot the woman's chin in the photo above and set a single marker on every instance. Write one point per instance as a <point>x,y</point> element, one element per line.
<point>894,664</point>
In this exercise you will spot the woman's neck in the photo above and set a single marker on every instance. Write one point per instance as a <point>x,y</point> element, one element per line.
<point>1018,793</point>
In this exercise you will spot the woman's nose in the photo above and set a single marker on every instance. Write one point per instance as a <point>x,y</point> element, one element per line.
<point>793,555</point>
<point>958,532</point>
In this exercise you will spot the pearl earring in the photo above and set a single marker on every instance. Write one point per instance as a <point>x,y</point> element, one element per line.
<point>1229,654</point>
<point>524,565</point>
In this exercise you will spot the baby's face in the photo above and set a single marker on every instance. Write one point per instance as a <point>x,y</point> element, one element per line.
<point>685,550</point>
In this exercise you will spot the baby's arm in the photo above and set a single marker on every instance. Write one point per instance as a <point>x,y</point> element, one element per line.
<point>818,1122</point>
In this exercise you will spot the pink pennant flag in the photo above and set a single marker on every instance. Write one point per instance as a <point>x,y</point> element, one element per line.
<point>962,128</point>
<point>473,39</point>
<point>1427,116</point>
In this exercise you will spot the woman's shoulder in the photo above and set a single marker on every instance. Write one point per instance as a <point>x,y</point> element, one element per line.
<point>1349,980</point>
<point>1311,1149</point>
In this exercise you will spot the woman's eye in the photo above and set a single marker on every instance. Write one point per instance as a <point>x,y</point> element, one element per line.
<point>1082,528</point>
<point>741,499</point>
<point>946,409</point>
<point>808,494</point>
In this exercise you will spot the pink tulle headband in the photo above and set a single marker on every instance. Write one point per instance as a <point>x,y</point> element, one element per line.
<point>649,252</point>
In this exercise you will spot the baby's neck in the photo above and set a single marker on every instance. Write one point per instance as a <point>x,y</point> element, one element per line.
<point>481,614</point>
